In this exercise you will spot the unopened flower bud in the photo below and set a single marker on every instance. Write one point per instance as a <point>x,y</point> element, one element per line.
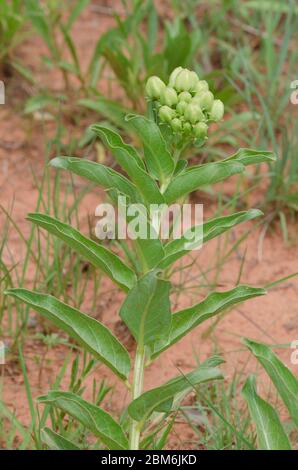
<point>169,96</point>
<point>166,113</point>
<point>205,100</point>
<point>183,80</point>
<point>176,125</point>
<point>193,113</point>
<point>184,96</point>
<point>201,86</point>
<point>181,107</point>
<point>173,76</point>
<point>154,87</point>
<point>187,127</point>
<point>200,130</point>
<point>217,110</point>
<point>194,80</point>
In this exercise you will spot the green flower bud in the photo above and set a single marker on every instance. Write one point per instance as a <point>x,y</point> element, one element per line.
<point>166,113</point>
<point>184,80</point>
<point>205,100</point>
<point>194,80</point>
<point>181,107</point>
<point>154,87</point>
<point>217,110</point>
<point>174,75</point>
<point>184,96</point>
<point>193,113</point>
<point>187,127</point>
<point>201,86</point>
<point>169,96</point>
<point>176,125</point>
<point>200,130</point>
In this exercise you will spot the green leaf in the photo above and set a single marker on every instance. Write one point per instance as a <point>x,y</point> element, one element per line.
<point>35,12</point>
<point>96,254</point>
<point>97,173</point>
<point>131,162</point>
<point>75,12</point>
<point>175,249</point>
<point>157,155</point>
<point>142,407</point>
<point>146,309</point>
<point>198,176</point>
<point>186,320</point>
<point>87,331</point>
<point>285,382</point>
<point>100,423</point>
<point>271,435</point>
<point>56,442</point>
<point>251,157</point>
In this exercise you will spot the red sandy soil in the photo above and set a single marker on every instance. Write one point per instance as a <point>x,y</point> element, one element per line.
<point>272,319</point>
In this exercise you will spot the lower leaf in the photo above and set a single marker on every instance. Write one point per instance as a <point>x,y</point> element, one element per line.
<point>271,435</point>
<point>100,423</point>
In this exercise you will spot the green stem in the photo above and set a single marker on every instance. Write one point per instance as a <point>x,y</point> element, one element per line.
<point>137,388</point>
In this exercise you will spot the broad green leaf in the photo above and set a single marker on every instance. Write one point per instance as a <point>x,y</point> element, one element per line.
<point>175,401</point>
<point>186,320</point>
<point>285,382</point>
<point>157,155</point>
<point>176,248</point>
<point>87,331</point>
<point>142,407</point>
<point>251,157</point>
<point>131,162</point>
<point>271,435</point>
<point>100,423</point>
<point>146,309</point>
<point>198,176</point>
<point>125,154</point>
<point>97,173</point>
<point>56,442</point>
<point>96,254</point>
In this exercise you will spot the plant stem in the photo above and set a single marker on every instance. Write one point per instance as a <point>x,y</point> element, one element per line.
<point>137,387</point>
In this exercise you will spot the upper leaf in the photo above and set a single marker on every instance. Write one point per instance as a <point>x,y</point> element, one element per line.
<point>131,162</point>
<point>142,407</point>
<point>100,423</point>
<point>198,176</point>
<point>271,435</point>
<point>157,155</point>
<point>146,309</point>
<point>176,248</point>
<point>185,320</point>
<point>96,254</point>
<point>87,331</point>
<point>285,382</point>
<point>251,157</point>
<point>97,173</point>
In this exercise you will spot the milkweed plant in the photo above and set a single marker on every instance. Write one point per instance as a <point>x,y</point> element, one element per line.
<point>179,112</point>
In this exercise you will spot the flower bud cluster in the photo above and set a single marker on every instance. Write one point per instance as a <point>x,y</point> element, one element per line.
<point>186,104</point>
